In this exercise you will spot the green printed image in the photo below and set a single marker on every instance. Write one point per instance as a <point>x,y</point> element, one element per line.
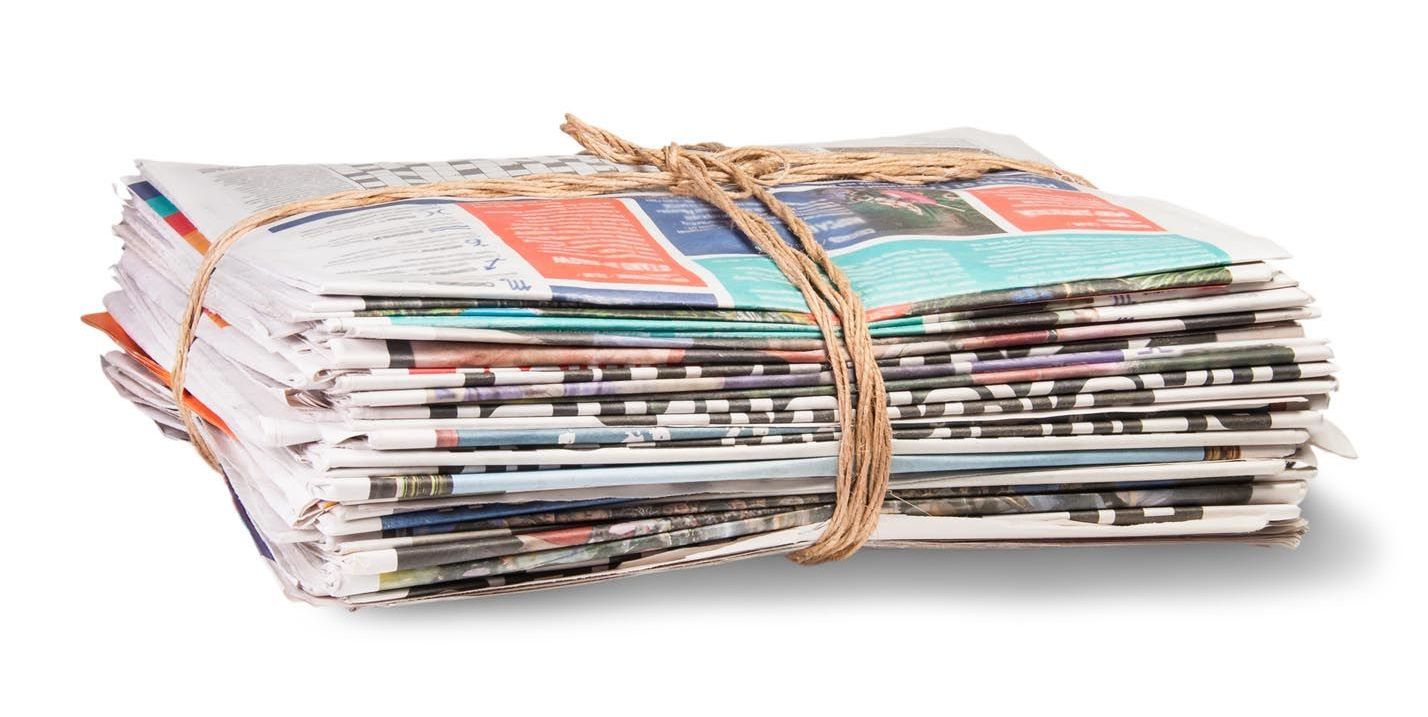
<point>913,210</point>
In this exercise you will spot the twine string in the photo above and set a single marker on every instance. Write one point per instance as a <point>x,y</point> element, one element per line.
<point>720,176</point>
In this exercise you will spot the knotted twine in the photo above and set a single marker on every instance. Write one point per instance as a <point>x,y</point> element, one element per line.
<point>720,176</point>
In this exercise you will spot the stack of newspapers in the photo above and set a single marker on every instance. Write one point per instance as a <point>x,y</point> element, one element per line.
<point>438,397</point>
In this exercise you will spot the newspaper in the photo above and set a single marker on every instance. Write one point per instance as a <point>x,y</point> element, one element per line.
<point>439,397</point>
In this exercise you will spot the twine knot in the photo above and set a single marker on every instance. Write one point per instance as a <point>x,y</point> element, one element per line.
<point>711,162</point>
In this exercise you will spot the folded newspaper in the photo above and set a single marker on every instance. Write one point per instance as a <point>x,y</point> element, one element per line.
<point>440,397</point>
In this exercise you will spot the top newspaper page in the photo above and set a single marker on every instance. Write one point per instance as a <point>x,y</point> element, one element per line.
<point>905,247</point>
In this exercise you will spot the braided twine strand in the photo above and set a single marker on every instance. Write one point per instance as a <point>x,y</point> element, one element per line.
<point>720,176</point>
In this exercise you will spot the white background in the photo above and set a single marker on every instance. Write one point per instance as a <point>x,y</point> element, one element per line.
<point>130,581</point>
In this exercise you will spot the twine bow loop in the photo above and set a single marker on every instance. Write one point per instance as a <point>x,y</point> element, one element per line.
<point>713,163</point>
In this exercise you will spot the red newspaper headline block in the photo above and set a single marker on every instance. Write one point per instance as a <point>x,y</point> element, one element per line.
<point>1034,209</point>
<point>588,240</point>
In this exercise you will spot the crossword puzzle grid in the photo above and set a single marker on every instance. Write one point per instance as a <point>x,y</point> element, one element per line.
<point>376,175</point>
